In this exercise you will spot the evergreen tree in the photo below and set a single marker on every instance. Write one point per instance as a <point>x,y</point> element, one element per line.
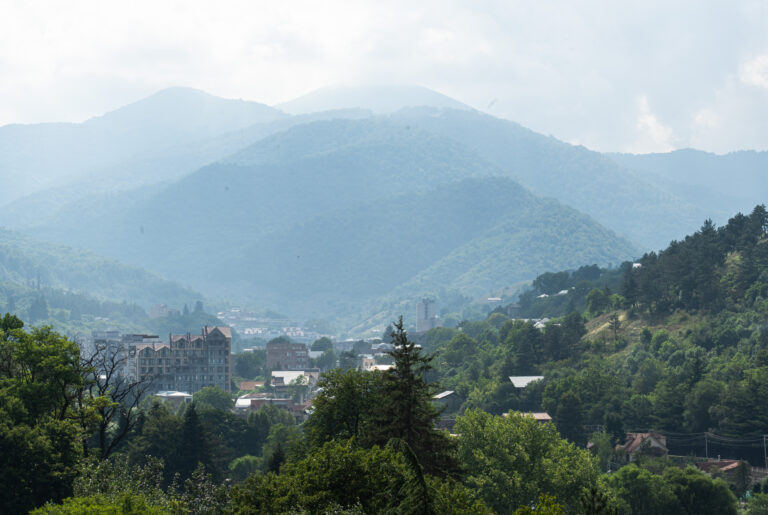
<point>406,411</point>
<point>194,445</point>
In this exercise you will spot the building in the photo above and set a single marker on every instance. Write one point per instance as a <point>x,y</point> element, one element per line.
<point>284,355</point>
<point>367,362</point>
<point>187,363</point>
<point>648,444</point>
<point>426,315</point>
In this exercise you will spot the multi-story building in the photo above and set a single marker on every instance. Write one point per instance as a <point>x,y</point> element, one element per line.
<point>426,315</point>
<point>187,363</point>
<point>283,355</point>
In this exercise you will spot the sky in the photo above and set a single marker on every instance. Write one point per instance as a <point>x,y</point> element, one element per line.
<point>630,76</point>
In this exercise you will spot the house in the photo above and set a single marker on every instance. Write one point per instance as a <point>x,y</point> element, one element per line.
<point>521,382</point>
<point>648,444</point>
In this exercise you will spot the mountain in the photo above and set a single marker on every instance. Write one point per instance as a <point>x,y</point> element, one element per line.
<point>725,184</point>
<point>628,202</point>
<point>469,236</point>
<point>334,191</point>
<point>25,261</point>
<point>159,137</point>
<point>379,99</point>
<point>237,211</point>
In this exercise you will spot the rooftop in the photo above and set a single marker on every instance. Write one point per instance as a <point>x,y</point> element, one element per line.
<point>523,381</point>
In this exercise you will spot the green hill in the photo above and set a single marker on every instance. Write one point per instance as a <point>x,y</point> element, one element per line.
<point>340,188</point>
<point>38,265</point>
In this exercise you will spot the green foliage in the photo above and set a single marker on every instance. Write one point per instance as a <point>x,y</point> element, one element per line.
<point>641,492</point>
<point>322,344</point>
<point>688,490</point>
<point>511,461</point>
<point>213,397</point>
<point>251,364</point>
<point>342,474</point>
<point>40,443</point>
<point>125,504</point>
<point>346,406</point>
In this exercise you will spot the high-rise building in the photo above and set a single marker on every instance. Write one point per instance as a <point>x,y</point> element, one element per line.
<point>426,315</point>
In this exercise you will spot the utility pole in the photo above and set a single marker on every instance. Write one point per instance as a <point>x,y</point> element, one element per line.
<point>706,445</point>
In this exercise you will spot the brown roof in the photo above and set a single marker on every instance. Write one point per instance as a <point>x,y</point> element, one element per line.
<point>223,329</point>
<point>250,385</point>
<point>635,440</point>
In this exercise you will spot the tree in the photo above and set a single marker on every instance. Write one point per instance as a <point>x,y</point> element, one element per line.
<point>341,476</point>
<point>511,461</point>
<point>643,493</point>
<point>568,418</point>
<point>700,494</point>
<point>345,406</point>
<point>407,411</point>
<point>213,397</point>
<point>40,443</point>
<point>111,396</point>
<point>251,364</point>
<point>615,324</point>
<point>322,344</point>
<point>598,301</point>
<point>348,360</point>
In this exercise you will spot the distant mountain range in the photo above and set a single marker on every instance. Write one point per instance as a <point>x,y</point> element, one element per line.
<point>397,192</point>
<point>378,99</point>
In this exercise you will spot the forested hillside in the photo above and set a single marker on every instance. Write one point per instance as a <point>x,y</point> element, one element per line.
<point>306,208</point>
<point>637,207</point>
<point>676,343</point>
<point>725,184</point>
<point>43,265</point>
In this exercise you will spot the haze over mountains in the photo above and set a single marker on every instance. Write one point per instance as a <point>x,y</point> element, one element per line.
<point>326,209</point>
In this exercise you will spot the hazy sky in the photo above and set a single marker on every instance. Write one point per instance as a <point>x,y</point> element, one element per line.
<point>615,76</point>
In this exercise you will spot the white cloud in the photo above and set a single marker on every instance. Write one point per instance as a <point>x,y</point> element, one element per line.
<point>571,70</point>
<point>654,136</point>
<point>754,72</point>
